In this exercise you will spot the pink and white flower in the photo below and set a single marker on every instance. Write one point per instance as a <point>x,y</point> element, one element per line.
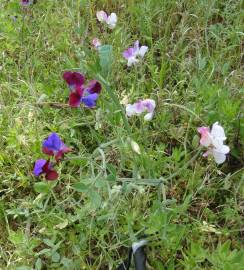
<point>146,105</point>
<point>133,54</point>
<point>214,141</point>
<point>96,43</point>
<point>110,20</point>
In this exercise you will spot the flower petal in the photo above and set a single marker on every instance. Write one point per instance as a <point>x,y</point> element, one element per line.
<point>102,16</point>
<point>51,175</point>
<point>148,116</point>
<point>130,110</point>
<point>218,156</point>
<point>94,87</point>
<point>38,167</point>
<point>142,51</point>
<point>217,132</point>
<point>128,53</point>
<point>74,99</point>
<point>112,20</point>
<point>149,104</point>
<point>53,142</point>
<point>90,100</point>
<point>206,139</point>
<point>74,78</point>
<point>48,152</point>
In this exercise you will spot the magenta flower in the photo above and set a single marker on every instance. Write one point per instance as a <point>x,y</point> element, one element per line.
<point>43,166</point>
<point>133,54</point>
<point>54,146</point>
<point>79,93</point>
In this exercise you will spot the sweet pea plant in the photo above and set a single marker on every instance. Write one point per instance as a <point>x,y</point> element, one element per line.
<point>125,128</point>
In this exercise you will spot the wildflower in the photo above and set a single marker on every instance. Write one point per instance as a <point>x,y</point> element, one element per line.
<point>214,141</point>
<point>146,105</point>
<point>54,146</point>
<point>96,43</point>
<point>26,2</point>
<point>110,20</point>
<point>43,166</point>
<point>79,93</point>
<point>132,53</point>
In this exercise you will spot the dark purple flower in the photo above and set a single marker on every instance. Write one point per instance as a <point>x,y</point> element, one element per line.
<point>43,166</point>
<point>54,146</point>
<point>80,93</point>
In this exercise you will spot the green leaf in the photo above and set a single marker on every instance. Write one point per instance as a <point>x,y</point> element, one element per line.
<point>106,58</point>
<point>80,187</point>
<point>55,257</point>
<point>95,198</point>
<point>42,187</point>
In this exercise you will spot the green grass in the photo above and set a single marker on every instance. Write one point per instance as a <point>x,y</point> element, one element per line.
<point>106,196</point>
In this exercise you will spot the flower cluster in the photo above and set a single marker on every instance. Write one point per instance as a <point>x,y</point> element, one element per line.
<point>79,93</point>
<point>55,147</point>
<point>88,94</point>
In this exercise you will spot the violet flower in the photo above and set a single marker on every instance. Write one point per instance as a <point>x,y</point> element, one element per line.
<point>43,166</point>
<point>214,141</point>
<point>133,54</point>
<point>146,105</point>
<point>80,93</point>
<point>54,146</point>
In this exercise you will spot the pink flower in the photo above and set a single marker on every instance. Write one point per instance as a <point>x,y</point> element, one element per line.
<point>214,141</point>
<point>110,20</point>
<point>133,53</point>
<point>96,43</point>
<point>146,105</point>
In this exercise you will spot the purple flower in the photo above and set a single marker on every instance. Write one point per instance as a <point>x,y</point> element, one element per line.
<point>133,53</point>
<point>54,146</point>
<point>141,106</point>
<point>43,166</point>
<point>26,2</point>
<point>80,93</point>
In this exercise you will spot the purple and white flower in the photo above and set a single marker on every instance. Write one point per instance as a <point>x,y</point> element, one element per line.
<point>141,106</point>
<point>134,54</point>
<point>110,20</point>
<point>214,141</point>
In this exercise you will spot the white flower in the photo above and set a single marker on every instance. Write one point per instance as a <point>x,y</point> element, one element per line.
<point>214,141</point>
